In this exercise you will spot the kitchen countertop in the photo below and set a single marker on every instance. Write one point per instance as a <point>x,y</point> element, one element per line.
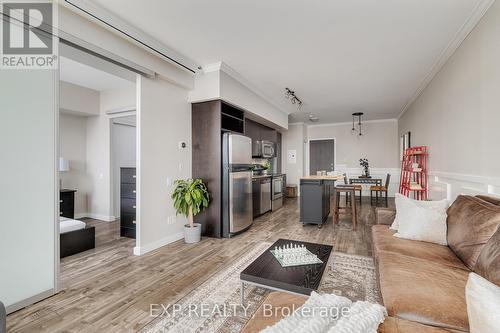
<point>323,177</point>
<point>267,176</point>
<point>261,176</point>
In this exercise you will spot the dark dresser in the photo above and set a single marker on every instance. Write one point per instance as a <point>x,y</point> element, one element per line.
<point>127,202</point>
<point>67,203</point>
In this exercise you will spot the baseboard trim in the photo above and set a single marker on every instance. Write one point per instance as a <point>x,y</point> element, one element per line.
<point>140,250</point>
<point>96,217</point>
<point>31,300</point>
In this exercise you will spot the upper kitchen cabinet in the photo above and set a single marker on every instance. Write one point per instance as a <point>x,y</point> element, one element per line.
<point>258,132</point>
<point>232,119</point>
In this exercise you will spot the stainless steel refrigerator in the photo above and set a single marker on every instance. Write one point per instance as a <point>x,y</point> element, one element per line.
<point>236,184</point>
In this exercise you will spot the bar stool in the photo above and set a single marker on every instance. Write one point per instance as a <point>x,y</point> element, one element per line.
<point>336,204</point>
<point>357,188</point>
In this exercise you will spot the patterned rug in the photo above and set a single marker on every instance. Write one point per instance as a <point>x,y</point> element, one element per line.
<point>215,305</point>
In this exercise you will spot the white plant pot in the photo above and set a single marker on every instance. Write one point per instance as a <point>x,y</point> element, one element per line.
<point>192,235</point>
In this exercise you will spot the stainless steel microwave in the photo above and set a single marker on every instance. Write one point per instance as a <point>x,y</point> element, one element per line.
<point>263,149</point>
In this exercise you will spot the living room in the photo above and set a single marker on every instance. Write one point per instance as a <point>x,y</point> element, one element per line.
<point>333,168</point>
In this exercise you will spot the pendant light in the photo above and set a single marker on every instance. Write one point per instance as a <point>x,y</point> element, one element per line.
<point>357,131</point>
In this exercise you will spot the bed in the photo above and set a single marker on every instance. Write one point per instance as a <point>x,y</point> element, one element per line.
<point>75,237</point>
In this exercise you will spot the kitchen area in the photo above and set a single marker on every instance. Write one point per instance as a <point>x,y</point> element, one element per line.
<point>268,183</point>
<point>239,159</point>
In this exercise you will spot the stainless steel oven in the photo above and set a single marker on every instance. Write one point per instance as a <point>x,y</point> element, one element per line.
<point>277,192</point>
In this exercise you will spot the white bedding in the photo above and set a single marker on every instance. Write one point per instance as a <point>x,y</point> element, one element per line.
<point>67,225</point>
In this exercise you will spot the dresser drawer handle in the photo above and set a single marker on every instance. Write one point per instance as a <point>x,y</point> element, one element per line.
<point>134,176</point>
<point>133,206</point>
<point>133,191</point>
<point>134,222</point>
<point>60,201</point>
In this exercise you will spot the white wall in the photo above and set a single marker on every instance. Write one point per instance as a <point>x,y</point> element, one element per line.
<point>78,99</point>
<point>163,119</point>
<point>118,99</point>
<point>379,145</point>
<point>73,147</point>
<point>457,115</point>
<point>218,84</point>
<point>123,146</point>
<point>233,91</point>
<point>99,168</point>
<point>293,139</point>
<point>28,106</point>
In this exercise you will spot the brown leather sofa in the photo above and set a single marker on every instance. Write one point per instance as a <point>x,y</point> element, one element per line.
<point>423,284</point>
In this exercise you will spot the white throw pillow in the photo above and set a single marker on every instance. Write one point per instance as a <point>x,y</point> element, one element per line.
<point>427,224</point>
<point>483,304</point>
<point>402,203</point>
<point>363,317</point>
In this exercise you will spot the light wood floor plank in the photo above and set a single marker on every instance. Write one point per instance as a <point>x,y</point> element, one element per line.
<point>108,289</point>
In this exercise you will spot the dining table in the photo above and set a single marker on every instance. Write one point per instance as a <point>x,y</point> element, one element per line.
<point>365,180</point>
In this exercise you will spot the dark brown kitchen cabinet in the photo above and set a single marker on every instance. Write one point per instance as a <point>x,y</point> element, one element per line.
<point>258,132</point>
<point>209,120</point>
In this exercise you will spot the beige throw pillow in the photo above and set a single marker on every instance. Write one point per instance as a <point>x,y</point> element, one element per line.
<point>421,222</point>
<point>402,202</point>
<point>483,304</point>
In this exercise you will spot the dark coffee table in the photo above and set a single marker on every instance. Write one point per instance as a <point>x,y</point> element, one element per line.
<point>266,271</point>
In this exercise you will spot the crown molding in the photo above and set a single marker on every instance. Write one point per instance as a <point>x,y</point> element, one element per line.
<point>466,28</point>
<point>223,67</point>
<point>391,120</point>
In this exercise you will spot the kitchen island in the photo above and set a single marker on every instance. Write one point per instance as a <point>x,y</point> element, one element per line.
<point>315,192</point>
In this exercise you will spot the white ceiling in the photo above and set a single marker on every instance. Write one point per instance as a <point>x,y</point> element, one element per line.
<point>339,56</point>
<point>89,76</point>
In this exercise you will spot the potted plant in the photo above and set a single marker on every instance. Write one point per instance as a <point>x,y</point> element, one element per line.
<point>366,167</point>
<point>265,167</point>
<point>190,198</point>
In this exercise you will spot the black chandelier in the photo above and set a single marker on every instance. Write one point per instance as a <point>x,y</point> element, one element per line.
<point>290,94</point>
<point>357,130</point>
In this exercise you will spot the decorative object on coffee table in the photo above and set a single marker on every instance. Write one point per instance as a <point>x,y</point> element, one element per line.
<point>294,254</point>
<point>366,168</point>
<point>190,197</point>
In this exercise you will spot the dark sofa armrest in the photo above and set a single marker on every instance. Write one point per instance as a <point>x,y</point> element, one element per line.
<point>384,216</point>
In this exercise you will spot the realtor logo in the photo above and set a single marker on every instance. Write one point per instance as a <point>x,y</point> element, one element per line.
<point>27,35</point>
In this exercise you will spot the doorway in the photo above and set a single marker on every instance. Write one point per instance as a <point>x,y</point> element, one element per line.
<point>321,155</point>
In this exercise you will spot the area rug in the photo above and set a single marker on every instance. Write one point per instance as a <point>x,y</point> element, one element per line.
<point>215,305</point>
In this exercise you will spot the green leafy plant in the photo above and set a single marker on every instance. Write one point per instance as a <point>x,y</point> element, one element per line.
<point>266,165</point>
<point>190,198</point>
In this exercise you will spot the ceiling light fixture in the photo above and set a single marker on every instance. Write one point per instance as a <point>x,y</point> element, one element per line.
<point>290,94</point>
<point>357,130</point>
<point>313,118</point>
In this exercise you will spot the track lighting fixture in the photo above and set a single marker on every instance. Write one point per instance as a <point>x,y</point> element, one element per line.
<point>290,94</point>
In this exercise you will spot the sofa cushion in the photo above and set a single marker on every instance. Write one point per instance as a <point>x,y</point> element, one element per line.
<point>394,325</point>
<point>493,200</point>
<point>488,262</point>
<point>422,291</point>
<point>383,240</point>
<point>471,223</point>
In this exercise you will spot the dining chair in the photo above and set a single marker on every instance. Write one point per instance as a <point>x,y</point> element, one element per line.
<point>382,189</point>
<point>357,188</point>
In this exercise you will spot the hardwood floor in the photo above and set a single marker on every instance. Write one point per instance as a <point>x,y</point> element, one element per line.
<point>108,289</point>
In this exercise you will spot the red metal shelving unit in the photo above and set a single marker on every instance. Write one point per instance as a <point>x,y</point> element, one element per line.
<point>414,173</point>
